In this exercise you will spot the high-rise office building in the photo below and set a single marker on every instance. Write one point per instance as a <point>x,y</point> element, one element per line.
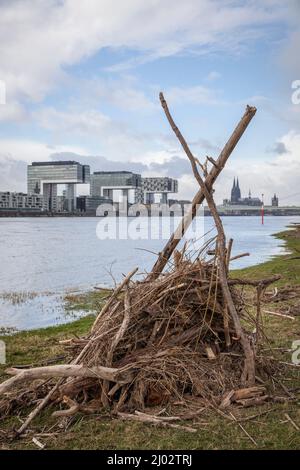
<point>158,185</point>
<point>43,178</point>
<point>109,183</point>
<point>20,201</point>
<point>132,185</point>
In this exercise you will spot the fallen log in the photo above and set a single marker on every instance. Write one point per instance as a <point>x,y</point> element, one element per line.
<point>255,283</point>
<point>105,373</point>
<point>255,401</point>
<point>249,392</point>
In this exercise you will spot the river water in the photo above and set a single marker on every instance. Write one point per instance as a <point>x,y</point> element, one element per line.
<point>43,258</point>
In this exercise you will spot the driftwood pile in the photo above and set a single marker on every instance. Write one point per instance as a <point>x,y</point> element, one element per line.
<point>176,335</point>
<point>154,342</point>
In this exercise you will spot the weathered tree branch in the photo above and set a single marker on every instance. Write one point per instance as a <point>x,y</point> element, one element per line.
<point>68,370</point>
<point>114,344</point>
<point>157,420</point>
<point>249,371</point>
<point>255,283</point>
<point>49,395</point>
<point>113,296</point>
<point>175,238</point>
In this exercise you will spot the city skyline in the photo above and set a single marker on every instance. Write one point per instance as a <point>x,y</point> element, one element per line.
<point>44,179</point>
<point>86,190</point>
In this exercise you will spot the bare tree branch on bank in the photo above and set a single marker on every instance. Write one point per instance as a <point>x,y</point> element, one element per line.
<point>249,370</point>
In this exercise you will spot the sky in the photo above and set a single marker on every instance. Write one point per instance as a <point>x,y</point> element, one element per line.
<point>80,80</point>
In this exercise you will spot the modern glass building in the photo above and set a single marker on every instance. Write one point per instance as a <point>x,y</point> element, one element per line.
<point>158,185</point>
<point>90,204</point>
<point>107,183</point>
<point>132,185</point>
<point>13,200</point>
<point>43,178</point>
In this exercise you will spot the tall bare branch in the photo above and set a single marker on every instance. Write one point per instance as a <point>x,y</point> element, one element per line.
<point>249,371</point>
<point>218,166</point>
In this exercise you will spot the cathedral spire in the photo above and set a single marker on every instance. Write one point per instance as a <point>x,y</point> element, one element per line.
<point>237,190</point>
<point>234,192</point>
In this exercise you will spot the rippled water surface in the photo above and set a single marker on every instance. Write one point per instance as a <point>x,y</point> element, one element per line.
<point>42,258</point>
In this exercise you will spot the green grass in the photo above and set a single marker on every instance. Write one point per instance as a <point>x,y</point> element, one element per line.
<point>286,265</point>
<point>30,347</point>
<point>88,301</point>
<point>270,430</point>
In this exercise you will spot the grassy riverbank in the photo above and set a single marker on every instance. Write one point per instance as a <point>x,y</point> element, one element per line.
<point>271,428</point>
<point>287,265</point>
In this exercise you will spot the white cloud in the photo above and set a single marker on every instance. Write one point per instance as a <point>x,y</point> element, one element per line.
<point>16,154</point>
<point>279,174</point>
<point>124,92</point>
<point>83,122</point>
<point>288,57</point>
<point>39,40</point>
<point>187,186</point>
<point>213,75</point>
<point>30,150</point>
<point>159,157</point>
<point>114,138</point>
<point>193,95</point>
<point>131,99</point>
<point>12,112</point>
